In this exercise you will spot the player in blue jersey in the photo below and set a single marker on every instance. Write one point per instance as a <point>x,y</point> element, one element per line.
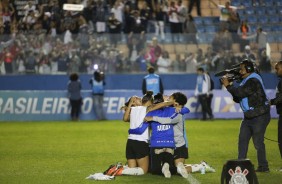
<point>137,147</point>
<point>163,138</point>
<point>181,143</point>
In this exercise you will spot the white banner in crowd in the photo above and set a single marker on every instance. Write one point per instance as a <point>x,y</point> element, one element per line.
<point>54,105</point>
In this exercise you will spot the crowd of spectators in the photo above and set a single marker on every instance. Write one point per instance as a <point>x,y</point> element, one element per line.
<point>45,39</point>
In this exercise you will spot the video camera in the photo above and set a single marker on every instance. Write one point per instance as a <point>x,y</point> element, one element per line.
<point>232,74</point>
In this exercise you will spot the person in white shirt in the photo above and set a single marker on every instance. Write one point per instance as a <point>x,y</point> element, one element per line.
<point>137,146</point>
<point>164,63</point>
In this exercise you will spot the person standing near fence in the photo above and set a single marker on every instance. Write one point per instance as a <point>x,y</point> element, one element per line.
<point>74,88</point>
<point>202,91</point>
<point>278,102</point>
<point>97,83</point>
<point>152,82</point>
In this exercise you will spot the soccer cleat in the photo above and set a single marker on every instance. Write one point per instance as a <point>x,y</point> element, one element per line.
<point>280,170</point>
<point>110,170</point>
<point>182,170</point>
<point>113,169</point>
<point>118,171</point>
<point>208,168</point>
<point>165,170</point>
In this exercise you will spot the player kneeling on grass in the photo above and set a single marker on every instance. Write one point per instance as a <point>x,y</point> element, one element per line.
<point>177,120</point>
<point>137,147</point>
<point>162,140</point>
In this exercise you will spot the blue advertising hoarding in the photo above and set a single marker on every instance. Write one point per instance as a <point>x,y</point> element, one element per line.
<point>54,105</point>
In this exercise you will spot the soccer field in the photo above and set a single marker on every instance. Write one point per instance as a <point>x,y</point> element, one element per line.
<point>67,152</point>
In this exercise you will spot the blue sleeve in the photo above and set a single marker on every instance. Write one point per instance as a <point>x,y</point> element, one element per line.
<point>140,130</point>
<point>184,110</point>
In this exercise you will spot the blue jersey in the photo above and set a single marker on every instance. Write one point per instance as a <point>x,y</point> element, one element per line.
<point>153,83</point>
<point>97,87</point>
<point>161,135</point>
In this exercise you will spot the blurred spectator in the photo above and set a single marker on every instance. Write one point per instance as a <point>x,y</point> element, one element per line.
<point>200,58</point>
<point>20,63</point>
<point>100,10</point>
<point>8,61</point>
<point>179,63</point>
<point>198,5</point>
<point>230,59</point>
<point>137,23</point>
<point>164,63</point>
<point>135,45</point>
<point>30,65</point>
<point>216,42</point>
<point>175,27</point>
<point>63,62</point>
<point>141,61</point>
<point>226,40</point>
<point>210,54</point>
<point>117,10</point>
<point>261,41</point>
<point>227,14</point>
<point>258,2</point>
<point>159,14</point>
<point>190,30</point>
<point>264,62</point>
<point>155,52</point>
<point>248,54</point>
<point>182,15</point>
<point>88,15</point>
<point>146,17</point>
<point>83,34</point>
<point>128,19</point>
<point>114,26</point>
<point>44,65</point>
<point>67,37</point>
<point>244,31</point>
<point>191,62</point>
<point>74,63</point>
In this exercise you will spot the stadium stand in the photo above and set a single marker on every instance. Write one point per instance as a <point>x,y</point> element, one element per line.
<point>266,16</point>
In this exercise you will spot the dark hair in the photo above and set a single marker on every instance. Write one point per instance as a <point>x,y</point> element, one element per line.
<point>158,98</point>
<point>180,98</point>
<point>201,69</point>
<point>151,69</point>
<point>147,97</point>
<point>249,65</point>
<point>74,77</point>
<point>97,76</point>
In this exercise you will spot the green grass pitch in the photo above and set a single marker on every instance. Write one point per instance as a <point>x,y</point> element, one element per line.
<point>67,152</point>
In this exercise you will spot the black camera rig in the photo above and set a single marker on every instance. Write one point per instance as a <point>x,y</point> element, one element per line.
<point>231,74</point>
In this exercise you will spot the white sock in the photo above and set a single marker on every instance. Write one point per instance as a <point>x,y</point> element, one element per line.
<point>180,167</point>
<point>133,171</point>
<point>195,167</point>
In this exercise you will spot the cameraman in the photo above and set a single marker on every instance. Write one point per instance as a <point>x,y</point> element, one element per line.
<point>253,101</point>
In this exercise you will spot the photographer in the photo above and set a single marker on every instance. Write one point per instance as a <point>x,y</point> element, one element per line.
<point>252,98</point>
<point>97,83</point>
